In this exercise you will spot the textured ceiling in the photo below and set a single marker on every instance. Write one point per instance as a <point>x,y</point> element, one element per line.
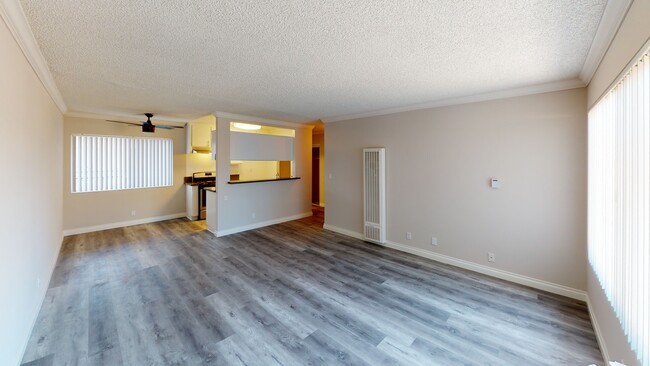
<point>302,60</point>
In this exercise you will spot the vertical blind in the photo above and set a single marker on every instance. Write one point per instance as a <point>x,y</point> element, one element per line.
<point>619,201</point>
<point>107,163</point>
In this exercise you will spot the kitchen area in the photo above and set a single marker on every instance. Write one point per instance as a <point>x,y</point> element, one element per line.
<point>200,165</point>
<point>257,154</point>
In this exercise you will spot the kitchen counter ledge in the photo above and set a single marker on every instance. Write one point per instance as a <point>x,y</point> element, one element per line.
<point>261,180</point>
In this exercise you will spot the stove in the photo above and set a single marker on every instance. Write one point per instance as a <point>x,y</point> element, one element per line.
<point>203,180</point>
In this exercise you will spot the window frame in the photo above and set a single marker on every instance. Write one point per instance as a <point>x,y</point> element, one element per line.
<point>127,162</point>
<point>618,241</point>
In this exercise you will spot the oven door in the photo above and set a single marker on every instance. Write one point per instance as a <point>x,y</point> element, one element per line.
<point>202,205</point>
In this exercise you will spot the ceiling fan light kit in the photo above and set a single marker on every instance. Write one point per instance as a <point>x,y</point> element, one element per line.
<point>147,126</point>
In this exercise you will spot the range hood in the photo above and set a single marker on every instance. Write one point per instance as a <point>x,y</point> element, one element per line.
<point>201,150</point>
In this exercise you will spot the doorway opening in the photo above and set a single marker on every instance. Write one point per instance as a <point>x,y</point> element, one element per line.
<point>315,175</point>
<point>318,166</point>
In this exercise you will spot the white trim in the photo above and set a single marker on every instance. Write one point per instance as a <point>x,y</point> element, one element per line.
<point>493,272</point>
<point>502,94</point>
<point>343,231</point>
<point>264,121</point>
<point>14,17</point>
<point>114,225</point>
<point>258,225</point>
<point>597,332</point>
<point>610,22</point>
<point>624,71</point>
<point>125,117</point>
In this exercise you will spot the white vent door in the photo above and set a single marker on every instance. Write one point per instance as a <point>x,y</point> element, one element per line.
<point>374,194</point>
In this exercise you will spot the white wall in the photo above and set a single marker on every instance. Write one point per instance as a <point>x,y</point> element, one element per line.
<point>439,162</point>
<point>30,196</point>
<point>633,33</point>
<point>97,210</point>
<point>267,201</point>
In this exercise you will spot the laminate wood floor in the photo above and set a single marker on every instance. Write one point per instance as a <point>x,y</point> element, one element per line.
<point>171,293</point>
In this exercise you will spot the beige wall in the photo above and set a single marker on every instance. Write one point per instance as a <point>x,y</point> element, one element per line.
<point>256,170</point>
<point>266,201</point>
<point>30,196</point>
<point>318,139</point>
<point>199,163</point>
<point>105,209</point>
<point>632,35</point>
<point>439,162</point>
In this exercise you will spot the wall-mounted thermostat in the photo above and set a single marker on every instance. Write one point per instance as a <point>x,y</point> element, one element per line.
<point>495,183</point>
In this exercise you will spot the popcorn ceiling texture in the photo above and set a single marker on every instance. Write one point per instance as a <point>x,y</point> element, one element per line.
<point>302,60</point>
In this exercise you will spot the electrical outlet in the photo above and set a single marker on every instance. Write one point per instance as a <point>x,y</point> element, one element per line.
<point>491,257</point>
<point>132,212</point>
<point>254,214</point>
<point>408,235</point>
<point>225,198</point>
<point>434,240</point>
<point>38,283</point>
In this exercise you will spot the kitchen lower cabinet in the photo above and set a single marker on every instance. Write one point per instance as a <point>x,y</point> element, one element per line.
<point>211,211</point>
<point>191,202</point>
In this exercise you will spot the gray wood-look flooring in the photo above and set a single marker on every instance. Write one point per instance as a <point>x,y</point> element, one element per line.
<point>171,293</point>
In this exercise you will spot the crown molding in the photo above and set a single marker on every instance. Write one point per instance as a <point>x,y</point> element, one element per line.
<point>610,22</point>
<point>124,117</point>
<point>509,93</point>
<point>267,121</point>
<point>13,15</point>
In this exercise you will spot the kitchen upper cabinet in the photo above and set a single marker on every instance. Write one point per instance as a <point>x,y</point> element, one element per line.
<point>201,137</point>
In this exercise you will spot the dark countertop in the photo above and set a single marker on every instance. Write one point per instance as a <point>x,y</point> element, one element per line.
<point>189,182</point>
<point>261,180</point>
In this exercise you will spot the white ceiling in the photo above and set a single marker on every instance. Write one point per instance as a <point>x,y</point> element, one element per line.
<point>303,60</point>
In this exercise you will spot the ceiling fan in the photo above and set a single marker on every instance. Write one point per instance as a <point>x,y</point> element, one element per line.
<point>147,126</point>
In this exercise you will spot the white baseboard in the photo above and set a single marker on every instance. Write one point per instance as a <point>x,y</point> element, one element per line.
<point>43,295</point>
<point>493,272</point>
<point>598,333</point>
<point>261,224</point>
<point>343,231</point>
<point>114,225</point>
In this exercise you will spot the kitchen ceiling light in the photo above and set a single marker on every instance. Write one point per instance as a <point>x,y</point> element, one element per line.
<point>246,126</point>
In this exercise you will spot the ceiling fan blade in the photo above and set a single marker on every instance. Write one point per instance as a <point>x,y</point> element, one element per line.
<point>126,123</point>
<point>168,127</point>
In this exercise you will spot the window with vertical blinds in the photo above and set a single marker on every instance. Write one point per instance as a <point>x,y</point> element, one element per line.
<point>619,201</point>
<point>108,163</point>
